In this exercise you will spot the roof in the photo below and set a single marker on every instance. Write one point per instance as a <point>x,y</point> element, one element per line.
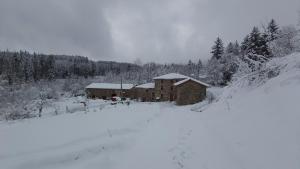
<point>146,86</point>
<point>171,76</point>
<point>108,86</point>
<point>192,79</point>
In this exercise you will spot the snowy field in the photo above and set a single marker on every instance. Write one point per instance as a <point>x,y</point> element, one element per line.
<point>248,126</point>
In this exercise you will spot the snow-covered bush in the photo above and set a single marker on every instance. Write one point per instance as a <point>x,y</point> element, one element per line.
<point>287,42</point>
<point>210,97</point>
<point>267,71</point>
<point>16,100</point>
<point>75,86</point>
<point>221,71</point>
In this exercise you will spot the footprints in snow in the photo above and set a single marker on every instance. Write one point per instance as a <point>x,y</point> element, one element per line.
<point>181,151</point>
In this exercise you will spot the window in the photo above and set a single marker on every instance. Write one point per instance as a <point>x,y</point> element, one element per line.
<point>161,81</point>
<point>161,96</point>
<point>161,88</point>
<point>171,88</point>
<point>146,90</point>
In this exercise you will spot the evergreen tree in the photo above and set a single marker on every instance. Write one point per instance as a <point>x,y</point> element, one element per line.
<point>200,64</point>
<point>16,67</point>
<point>1,65</point>
<point>218,49</point>
<point>257,44</point>
<point>245,44</point>
<point>272,31</point>
<point>36,68</point>
<point>190,63</point>
<point>230,48</point>
<point>236,48</point>
<point>199,68</point>
<point>27,69</point>
<point>254,41</point>
<point>50,67</point>
<point>264,48</point>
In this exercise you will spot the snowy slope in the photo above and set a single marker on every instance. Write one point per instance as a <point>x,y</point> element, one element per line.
<point>253,124</point>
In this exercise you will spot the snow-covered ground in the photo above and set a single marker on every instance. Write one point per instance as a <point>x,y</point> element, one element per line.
<point>250,125</point>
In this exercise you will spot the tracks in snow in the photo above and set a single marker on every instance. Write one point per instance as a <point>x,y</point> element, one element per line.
<point>82,150</point>
<point>181,151</point>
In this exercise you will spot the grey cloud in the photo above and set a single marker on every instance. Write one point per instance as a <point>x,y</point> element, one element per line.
<point>70,27</point>
<point>123,30</point>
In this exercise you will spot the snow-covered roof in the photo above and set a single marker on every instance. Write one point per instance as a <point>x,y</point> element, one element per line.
<point>108,86</point>
<point>192,79</point>
<point>146,86</point>
<point>171,76</point>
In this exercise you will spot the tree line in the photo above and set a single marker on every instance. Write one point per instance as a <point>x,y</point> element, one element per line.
<point>24,67</point>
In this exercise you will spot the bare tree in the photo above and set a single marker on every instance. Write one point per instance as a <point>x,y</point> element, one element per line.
<point>41,102</point>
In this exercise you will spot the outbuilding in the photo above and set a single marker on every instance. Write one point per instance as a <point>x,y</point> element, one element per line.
<point>108,90</point>
<point>189,91</point>
<point>144,92</point>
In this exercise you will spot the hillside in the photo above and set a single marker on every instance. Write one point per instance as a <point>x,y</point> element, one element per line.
<point>253,123</point>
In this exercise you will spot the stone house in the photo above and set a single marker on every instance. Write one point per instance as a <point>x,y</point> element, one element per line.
<point>189,91</point>
<point>164,88</point>
<point>182,89</point>
<point>108,90</point>
<point>144,92</point>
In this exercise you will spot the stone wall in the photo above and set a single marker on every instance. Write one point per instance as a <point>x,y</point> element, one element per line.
<point>165,90</point>
<point>144,95</point>
<point>190,92</point>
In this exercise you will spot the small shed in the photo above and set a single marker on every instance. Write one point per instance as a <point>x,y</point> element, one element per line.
<point>108,90</point>
<point>144,92</point>
<point>190,91</point>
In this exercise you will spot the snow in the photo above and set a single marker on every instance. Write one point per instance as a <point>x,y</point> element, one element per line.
<point>108,86</point>
<point>192,79</point>
<point>248,125</point>
<point>254,127</point>
<point>171,76</point>
<point>146,86</point>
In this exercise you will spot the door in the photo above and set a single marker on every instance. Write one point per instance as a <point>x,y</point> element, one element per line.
<point>171,97</point>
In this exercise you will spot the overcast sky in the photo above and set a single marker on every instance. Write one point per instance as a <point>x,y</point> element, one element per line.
<point>124,30</point>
